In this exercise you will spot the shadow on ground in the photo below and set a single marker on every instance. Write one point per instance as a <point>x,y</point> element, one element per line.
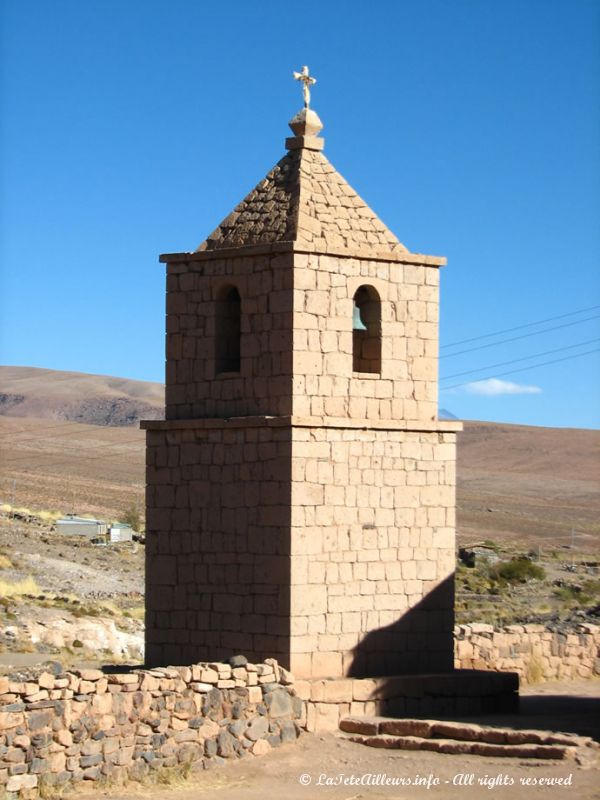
<point>556,712</point>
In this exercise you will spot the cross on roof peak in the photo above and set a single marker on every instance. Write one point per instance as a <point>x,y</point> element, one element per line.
<point>307,81</point>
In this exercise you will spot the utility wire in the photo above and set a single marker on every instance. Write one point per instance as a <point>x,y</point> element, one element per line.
<point>524,369</point>
<point>522,336</point>
<point>519,327</point>
<point>515,360</point>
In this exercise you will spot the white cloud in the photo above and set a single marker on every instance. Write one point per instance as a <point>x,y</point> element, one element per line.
<point>493,387</point>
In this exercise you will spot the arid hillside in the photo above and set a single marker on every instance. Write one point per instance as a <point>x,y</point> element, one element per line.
<point>529,486</point>
<point>78,397</point>
<point>70,467</point>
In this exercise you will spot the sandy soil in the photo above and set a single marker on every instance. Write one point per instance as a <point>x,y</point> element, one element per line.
<point>528,486</point>
<point>70,564</point>
<point>302,771</point>
<point>68,466</point>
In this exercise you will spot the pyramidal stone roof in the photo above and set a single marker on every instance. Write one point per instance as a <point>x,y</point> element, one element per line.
<point>304,200</point>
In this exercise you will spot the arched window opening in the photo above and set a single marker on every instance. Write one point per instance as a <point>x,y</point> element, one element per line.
<point>228,330</point>
<point>366,331</point>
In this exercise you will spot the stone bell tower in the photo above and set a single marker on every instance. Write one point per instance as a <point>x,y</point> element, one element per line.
<point>301,491</point>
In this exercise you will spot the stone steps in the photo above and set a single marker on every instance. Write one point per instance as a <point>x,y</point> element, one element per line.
<point>461,738</point>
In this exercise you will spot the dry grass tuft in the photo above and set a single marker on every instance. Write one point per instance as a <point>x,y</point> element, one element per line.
<point>5,562</point>
<point>25,586</point>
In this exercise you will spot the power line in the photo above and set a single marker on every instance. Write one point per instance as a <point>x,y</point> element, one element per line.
<point>522,336</point>
<point>515,360</point>
<point>519,327</point>
<point>524,369</point>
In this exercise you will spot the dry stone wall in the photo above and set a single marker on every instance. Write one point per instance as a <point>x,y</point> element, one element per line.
<point>85,725</point>
<point>535,652</point>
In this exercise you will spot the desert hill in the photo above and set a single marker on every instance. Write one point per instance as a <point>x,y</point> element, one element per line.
<point>65,446</point>
<point>529,485</point>
<point>78,397</point>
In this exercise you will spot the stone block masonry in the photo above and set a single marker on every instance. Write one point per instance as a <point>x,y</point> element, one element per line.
<point>372,535</point>
<point>536,653</point>
<point>458,694</point>
<point>460,738</point>
<point>297,337</point>
<point>300,493</point>
<point>218,541</point>
<point>56,731</point>
<point>321,543</point>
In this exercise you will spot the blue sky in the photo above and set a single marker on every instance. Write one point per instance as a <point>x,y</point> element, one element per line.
<point>471,127</point>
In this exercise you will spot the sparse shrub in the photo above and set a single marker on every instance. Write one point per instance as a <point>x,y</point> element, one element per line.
<point>132,517</point>
<point>534,672</point>
<point>568,593</point>
<point>492,545</point>
<point>136,612</point>
<point>592,587</point>
<point>77,643</point>
<point>5,562</point>
<point>582,595</point>
<point>174,776</point>
<point>48,790</point>
<point>517,570</point>
<point>89,611</point>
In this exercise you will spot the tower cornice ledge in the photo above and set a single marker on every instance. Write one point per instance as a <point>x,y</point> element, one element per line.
<point>365,254</point>
<point>429,426</point>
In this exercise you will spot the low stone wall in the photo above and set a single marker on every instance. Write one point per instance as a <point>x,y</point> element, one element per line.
<point>535,652</point>
<point>88,725</point>
<point>465,693</point>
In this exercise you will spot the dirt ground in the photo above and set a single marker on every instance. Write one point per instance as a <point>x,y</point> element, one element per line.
<point>70,564</point>
<point>329,766</point>
<point>528,486</point>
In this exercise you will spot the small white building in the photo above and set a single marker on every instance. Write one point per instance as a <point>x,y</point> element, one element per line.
<point>119,532</point>
<point>79,526</point>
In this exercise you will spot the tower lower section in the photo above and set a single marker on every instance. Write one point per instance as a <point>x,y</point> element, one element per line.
<point>327,544</point>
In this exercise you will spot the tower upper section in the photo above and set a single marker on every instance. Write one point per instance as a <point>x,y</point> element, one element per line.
<point>302,303</point>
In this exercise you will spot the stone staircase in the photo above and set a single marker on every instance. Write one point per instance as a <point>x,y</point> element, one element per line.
<point>461,738</point>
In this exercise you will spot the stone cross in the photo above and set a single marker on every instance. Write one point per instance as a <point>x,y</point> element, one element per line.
<point>307,81</point>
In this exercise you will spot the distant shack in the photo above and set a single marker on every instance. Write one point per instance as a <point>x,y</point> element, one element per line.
<point>95,529</point>
<point>119,532</point>
<point>79,526</point>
